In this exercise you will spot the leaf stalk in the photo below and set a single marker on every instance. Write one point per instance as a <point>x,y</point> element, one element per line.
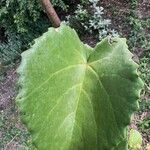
<point>51,13</point>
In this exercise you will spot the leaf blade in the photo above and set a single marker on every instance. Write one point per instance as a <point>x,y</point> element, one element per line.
<point>71,97</point>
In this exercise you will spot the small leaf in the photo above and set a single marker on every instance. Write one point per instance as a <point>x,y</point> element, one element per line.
<point>135,140</point>
<point>74,97</point>
<point>148,147</point>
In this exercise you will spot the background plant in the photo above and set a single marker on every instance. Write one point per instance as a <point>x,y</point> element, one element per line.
<point>138,38</point>
<point>89,18</point>
<point>135,140</point>
<point>21,22</point>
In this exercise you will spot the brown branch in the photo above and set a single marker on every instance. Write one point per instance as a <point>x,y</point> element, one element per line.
<point>51,13</point>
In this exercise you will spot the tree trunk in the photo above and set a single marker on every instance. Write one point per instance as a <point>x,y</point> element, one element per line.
<point>51,13</point>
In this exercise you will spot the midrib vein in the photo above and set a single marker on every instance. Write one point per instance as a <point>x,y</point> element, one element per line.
<point>90,101</point>
<point>77,105</point>
<point>57,102</point>
<point>110,103</point>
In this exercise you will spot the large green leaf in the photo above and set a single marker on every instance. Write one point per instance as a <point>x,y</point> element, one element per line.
<point>74,97</point>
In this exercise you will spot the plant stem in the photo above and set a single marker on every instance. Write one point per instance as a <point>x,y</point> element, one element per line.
<point>51,13</point>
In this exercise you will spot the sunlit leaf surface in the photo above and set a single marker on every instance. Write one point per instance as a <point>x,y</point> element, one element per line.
<point>74,97</point>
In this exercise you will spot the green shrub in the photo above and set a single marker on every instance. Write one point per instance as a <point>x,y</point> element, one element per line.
<point>21,22</point>
<point>138,37</point>
<point>89,17</point>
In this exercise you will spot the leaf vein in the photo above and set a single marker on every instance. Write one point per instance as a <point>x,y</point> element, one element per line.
<point>58,101</point>
<point>50,77</point>
<point>90,101</point>
<point>97,76</point>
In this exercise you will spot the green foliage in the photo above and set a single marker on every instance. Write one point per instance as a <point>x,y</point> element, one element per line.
<point>135,140</point>
<point>89,17</point>
<point>21,22</point>
<point>138,37</point>
<point>144,68</point>
<point>60,3</point>
<point>77,97</point>
<point>11,131</point>
<point>145,125</point>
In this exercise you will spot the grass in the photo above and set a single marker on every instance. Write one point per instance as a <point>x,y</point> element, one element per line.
<point>143,122</point>
<point>13,133</point>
